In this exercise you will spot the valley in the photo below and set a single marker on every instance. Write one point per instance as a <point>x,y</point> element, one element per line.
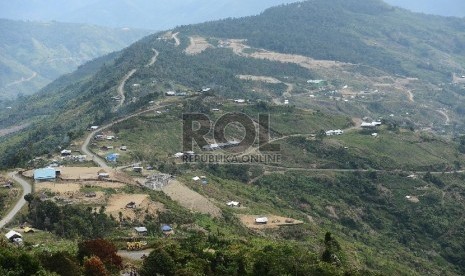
<point>368,178</point>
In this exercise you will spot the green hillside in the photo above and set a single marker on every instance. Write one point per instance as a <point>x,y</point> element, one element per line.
<point>370,201</point>
<point>33,54</point>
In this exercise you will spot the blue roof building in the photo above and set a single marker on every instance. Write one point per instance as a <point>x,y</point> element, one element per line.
<point>46,174</point>
<point>112,157</point>
<point>166,228</point>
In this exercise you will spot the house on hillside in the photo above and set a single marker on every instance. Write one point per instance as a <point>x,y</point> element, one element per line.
<point>46,174</point>
<point>131,205</point>
<point>137,169</point>
<point>371,125</point>
<point>102,174</point>
<point>14,236</point>
<point>334,132</point>
<point>261,220</point>
<point>141,231</point>
<point>234,204</point>
<point>170,93</point>
<point>93,128</point>
<point>178,155</point>
<point>167,230</point>
<point>112,157</point>
<point>317,83</point>
<point>65,152</point>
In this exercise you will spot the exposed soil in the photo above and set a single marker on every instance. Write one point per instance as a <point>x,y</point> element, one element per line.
<point>273,222</point>
<point>238,46</point>
<point>143,206</point>
<point>13,129</point>
<point>190,199</point>
<point>197,45</point>
<point>258,78</point>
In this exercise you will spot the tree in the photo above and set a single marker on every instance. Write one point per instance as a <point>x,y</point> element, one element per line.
<point>61,263</point>
<point>95,267</point>
<point>321,134</point>
<point>159,262</point>
<point>104,250</point>
<point>29,198</point>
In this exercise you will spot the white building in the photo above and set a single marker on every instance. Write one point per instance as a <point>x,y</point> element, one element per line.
<point>262,220</point>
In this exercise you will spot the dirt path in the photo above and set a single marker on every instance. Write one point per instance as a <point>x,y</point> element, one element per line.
<point>411,98</point>
<point>153,59</point>
<point>97,159</point>
<point>134,255</point>
<point>34,74</point>
<point>121,87</point>
<point>190,199</point>
<point>27,188</point>
<point>446,116</point>
<point>290,88</point>
<point>177,42</point>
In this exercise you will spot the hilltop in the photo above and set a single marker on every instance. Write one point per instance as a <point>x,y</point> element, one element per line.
<point>314,66</point>
<point>36,53</point>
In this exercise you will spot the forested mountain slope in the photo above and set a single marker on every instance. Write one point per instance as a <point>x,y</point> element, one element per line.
<point>362,32</point>
<point>33,53</point>
<point>392,195</point>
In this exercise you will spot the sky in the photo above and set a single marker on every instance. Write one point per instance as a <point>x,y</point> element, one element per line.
<point>162,14</point>
<point>438,7</point>
<point>146,14</point>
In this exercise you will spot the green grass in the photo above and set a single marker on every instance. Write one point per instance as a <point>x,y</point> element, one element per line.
<point>404,150</point>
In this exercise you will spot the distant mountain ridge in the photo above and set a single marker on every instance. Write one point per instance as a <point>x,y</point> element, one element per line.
<point>377,61</point>
<point>32,54</point>
<point>155,15</point>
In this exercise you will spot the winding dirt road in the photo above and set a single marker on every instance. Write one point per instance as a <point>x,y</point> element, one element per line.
<point>27,188</point>
<point>100,161</point>
<point>153,59</point>
<point>121,87</point>
<point>34,74</point>
<point>177,42</point>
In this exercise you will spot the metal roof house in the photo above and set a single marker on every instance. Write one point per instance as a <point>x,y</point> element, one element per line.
<point>262,220</point>
<point>112,157</point>
<point>166,228</point>
<point>141,230</point>
<point>46,174</point>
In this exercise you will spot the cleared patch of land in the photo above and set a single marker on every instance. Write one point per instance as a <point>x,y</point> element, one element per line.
<point>458,79</point>
<point>13,129</point>
<point>259,78</point>
<point>142,206</point>
<point>74,187</point>
<point>238,46</point>
<point>197,45</point>
<point>86,174</point>
<point>273,222</point>
<point>190,199</point>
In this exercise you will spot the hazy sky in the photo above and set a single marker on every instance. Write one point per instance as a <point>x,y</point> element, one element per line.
<point>148,14</point>
<point>162,14</point>
<point>439,7</point>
